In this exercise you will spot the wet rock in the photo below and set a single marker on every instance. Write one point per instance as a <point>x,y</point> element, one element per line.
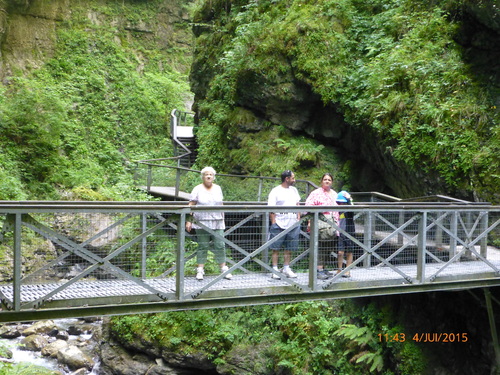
<point>74,358</point>
<point>81,371</point>
<point>194,360</point>
<point>53,348</point>
<point>33,343</point>
<point>44,326</point>
<point>9,332</point>
<point>116,360</point>
<point>92,319</point>
<point>255,360</point>
<point>62,335</point>
<point>75,330</point>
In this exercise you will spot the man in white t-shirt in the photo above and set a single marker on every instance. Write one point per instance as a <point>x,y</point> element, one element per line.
<point>284,195</point>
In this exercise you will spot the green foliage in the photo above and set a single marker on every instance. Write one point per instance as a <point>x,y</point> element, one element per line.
<point>272,150</point>
<point>211,140</point>
<point>101,101</point>
<point>302,338</point>
<point>360,347</point>
<point>24,369</point>
<point>375,344</point>
<point>391,67</point>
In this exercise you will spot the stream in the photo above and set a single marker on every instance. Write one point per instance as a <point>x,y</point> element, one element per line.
<point>35,357</point>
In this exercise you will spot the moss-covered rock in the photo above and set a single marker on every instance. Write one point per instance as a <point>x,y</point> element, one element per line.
<point>387,84</point>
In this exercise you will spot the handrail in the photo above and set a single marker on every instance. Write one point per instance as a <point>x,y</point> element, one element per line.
<point>174,124</point>
<point>132,255</point>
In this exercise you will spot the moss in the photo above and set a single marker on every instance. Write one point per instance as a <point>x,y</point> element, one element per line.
<point>393,70</point>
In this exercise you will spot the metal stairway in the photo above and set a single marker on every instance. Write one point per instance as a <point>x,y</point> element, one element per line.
<point>181,131</point>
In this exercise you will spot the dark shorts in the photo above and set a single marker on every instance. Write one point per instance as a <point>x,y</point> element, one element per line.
<point>289,241</point>
<point>346,244</point>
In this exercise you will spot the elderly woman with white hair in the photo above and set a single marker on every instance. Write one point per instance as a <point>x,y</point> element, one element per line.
<point>208,194</point>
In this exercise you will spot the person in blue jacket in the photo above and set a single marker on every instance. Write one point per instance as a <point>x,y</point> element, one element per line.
<point>346,223</point>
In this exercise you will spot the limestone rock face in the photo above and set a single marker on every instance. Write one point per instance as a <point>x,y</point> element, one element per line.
<point>118,360</point>
<point>27,33</point>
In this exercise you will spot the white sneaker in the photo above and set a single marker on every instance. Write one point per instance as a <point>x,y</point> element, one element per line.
<point>199,273</point>
<point>273,275</point>
<point>289,273</point>
<point>224,269</point>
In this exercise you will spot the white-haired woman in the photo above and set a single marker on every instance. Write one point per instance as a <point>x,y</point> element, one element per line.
<point>208,194</point>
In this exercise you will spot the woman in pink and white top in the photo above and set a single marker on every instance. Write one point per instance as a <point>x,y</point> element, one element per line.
<point>324,196</point>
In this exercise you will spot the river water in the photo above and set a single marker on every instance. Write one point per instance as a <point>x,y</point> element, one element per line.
<point>36,358</point>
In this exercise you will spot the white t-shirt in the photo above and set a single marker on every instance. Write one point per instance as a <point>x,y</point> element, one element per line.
<point>204,197</point>
<point>281,196</point>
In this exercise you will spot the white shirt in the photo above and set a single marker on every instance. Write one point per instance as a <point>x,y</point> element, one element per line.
<point>281,196</point>
<point>204,197</point>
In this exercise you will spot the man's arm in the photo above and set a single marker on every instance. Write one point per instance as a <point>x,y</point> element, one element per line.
<point>272,216</point>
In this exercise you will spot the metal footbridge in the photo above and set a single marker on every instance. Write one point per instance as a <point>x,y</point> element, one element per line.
<point>75,259</point>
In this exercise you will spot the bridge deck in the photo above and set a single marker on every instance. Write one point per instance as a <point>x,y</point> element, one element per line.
<point>97,292</point>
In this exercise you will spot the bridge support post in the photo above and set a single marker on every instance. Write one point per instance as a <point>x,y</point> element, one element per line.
<point>367,236</point>
<point>177,181</point>
<point>144,245</point>
<point>438,240</point>
<point>149,178</point>
<point>259,194</point>
<point>454,234</point>
<point>401,221</point>
<point>180,256</point>
<point>421,247</point>
<point>493,328</point>
<point>468,233</point>
<point>313,253</point>
<point>483,242</point>
<point>265,236</point>
<point>17,262</point>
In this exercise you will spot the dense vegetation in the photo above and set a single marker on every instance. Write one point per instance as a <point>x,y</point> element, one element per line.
<point>393,69</point>
<point>305,338</point>
<point>102,101</point>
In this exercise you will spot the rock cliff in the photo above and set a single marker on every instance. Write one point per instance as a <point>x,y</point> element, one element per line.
<point>283,84</point>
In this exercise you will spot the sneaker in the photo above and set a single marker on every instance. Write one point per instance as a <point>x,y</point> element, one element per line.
<point>199,273</point>
<point>273,275</point>
<point>289,273</point>
<point>224,269</point>
<point>322,275</point>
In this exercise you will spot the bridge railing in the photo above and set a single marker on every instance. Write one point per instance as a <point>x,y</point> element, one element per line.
<point>60,255</point>
<point>169,172</point>
<point>164,172</point>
